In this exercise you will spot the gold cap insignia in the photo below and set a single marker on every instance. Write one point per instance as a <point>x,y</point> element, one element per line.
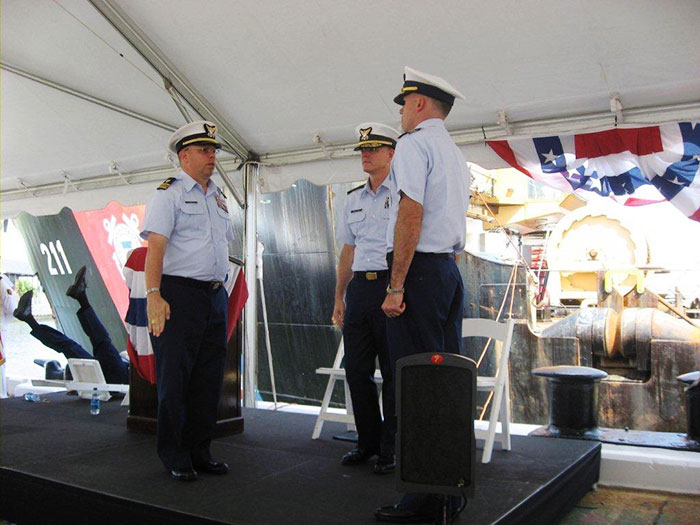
<point>365,133</point>
<point>211,130</point>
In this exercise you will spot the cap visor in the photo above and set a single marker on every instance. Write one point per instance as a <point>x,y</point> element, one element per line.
<point>399,99</point>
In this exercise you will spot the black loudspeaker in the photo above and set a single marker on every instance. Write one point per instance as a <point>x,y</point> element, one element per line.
<point>435,404</point>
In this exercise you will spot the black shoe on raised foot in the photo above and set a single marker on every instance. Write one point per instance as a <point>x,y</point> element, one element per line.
<point>212,467</point>
<point>183,474</point>
<point>76,289</point>
<point>357,456</point>
<point>385,465</point>
<point>400,514</point>
<point>24,306</point>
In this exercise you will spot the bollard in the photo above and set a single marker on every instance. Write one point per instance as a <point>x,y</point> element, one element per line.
<point>573,398</point>
<point>692,403</point>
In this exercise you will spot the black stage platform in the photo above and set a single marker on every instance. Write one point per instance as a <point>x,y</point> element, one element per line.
<point>59,464</point>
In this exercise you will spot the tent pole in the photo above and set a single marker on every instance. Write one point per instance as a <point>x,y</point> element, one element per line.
<point>155,57</point>
<point>219,168</point>
<point>89,98</point>
<point>266,326</point>
<point>250,367</point>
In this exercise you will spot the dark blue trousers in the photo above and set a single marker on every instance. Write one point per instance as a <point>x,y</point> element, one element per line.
<point>115,369</point>
<point>190,356</point>
<point>364,335</point>
<point>432,322</point>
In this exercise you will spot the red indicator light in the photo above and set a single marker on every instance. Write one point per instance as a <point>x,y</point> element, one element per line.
<point>436,359</point>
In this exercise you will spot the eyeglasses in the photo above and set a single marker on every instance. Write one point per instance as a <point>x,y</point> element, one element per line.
<point>206,150</point>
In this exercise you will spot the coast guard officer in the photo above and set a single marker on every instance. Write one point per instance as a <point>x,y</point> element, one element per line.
<point>427,228</point>
<point>362,276</point>
<point>188,229</point>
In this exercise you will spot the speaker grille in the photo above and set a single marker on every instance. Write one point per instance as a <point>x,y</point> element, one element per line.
<point>435,425</point>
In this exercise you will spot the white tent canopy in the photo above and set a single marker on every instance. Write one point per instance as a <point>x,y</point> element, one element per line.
<point>82,81</point>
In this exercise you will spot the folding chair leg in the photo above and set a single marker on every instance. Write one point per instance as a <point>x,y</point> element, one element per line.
<point>505,417</point>
<point>324,408</point>
<point>493,421</point>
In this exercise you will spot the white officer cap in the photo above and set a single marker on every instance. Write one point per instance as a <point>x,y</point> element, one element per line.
<point>375,135</point>
<point>198,132</point>
<point>428,85</point>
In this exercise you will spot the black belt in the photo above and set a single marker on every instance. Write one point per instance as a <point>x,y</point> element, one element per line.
<point>371,276</point>
<point>193,283</point>
<point>449,255</point>
<point>427,255</point>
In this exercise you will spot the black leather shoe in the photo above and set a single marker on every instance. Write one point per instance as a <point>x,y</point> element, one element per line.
<point>76,289</point>
<point>400,514</point>
<point>212,467</point>
<point>385,465</point>
<point>358,455</point>
<point>183,474</point>
<point>53,370</point>
<point>24,306</point>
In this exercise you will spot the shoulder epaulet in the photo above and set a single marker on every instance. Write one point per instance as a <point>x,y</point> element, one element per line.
<point>355,189</point>
<point>409,132</point>
<point>166,183</point>
<point>221,190</point>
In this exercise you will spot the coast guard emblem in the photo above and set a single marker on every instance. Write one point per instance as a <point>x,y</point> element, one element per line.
<point>211,130</point>
<point>365,133</point>
<point>221,200</point>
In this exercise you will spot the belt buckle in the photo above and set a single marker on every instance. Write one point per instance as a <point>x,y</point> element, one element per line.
<point>215,285</point>
<point>371,276</point>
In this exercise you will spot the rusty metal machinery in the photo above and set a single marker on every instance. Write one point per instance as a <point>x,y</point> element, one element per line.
<point>641,347</point>
<point>643,350</point>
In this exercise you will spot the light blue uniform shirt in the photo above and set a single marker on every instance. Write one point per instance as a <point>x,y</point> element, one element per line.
<point>429,168</point>
<point>197,227</point>
<point>363,224</point>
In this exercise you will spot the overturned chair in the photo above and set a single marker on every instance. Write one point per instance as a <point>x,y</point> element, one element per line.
<point>86,375</point>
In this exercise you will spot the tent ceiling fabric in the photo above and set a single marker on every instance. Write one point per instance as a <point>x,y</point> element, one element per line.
<point>280,72</point>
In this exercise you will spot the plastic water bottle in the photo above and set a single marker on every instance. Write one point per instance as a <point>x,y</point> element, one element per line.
<point>95,402</point>
<point>32,397</point>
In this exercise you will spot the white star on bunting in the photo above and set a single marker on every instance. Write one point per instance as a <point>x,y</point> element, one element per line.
<point>550,157</point>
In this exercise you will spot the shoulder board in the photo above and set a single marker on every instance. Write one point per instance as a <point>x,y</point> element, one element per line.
<point>223,193</point>
<point>166,183</point>
<point>355,189</point>
<point>409,132</point>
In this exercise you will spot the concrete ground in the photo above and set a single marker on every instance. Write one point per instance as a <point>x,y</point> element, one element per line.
<point>629,506</point>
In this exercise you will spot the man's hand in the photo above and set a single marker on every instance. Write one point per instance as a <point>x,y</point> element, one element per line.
<point>393,305</point>
<point>158,313</point>
<point>157,309</point>
<point>339,313</point>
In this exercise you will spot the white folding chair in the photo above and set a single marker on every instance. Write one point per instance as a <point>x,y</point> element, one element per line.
<point>88,375</point>
<point>501,334</point>
<point>337,373</point>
